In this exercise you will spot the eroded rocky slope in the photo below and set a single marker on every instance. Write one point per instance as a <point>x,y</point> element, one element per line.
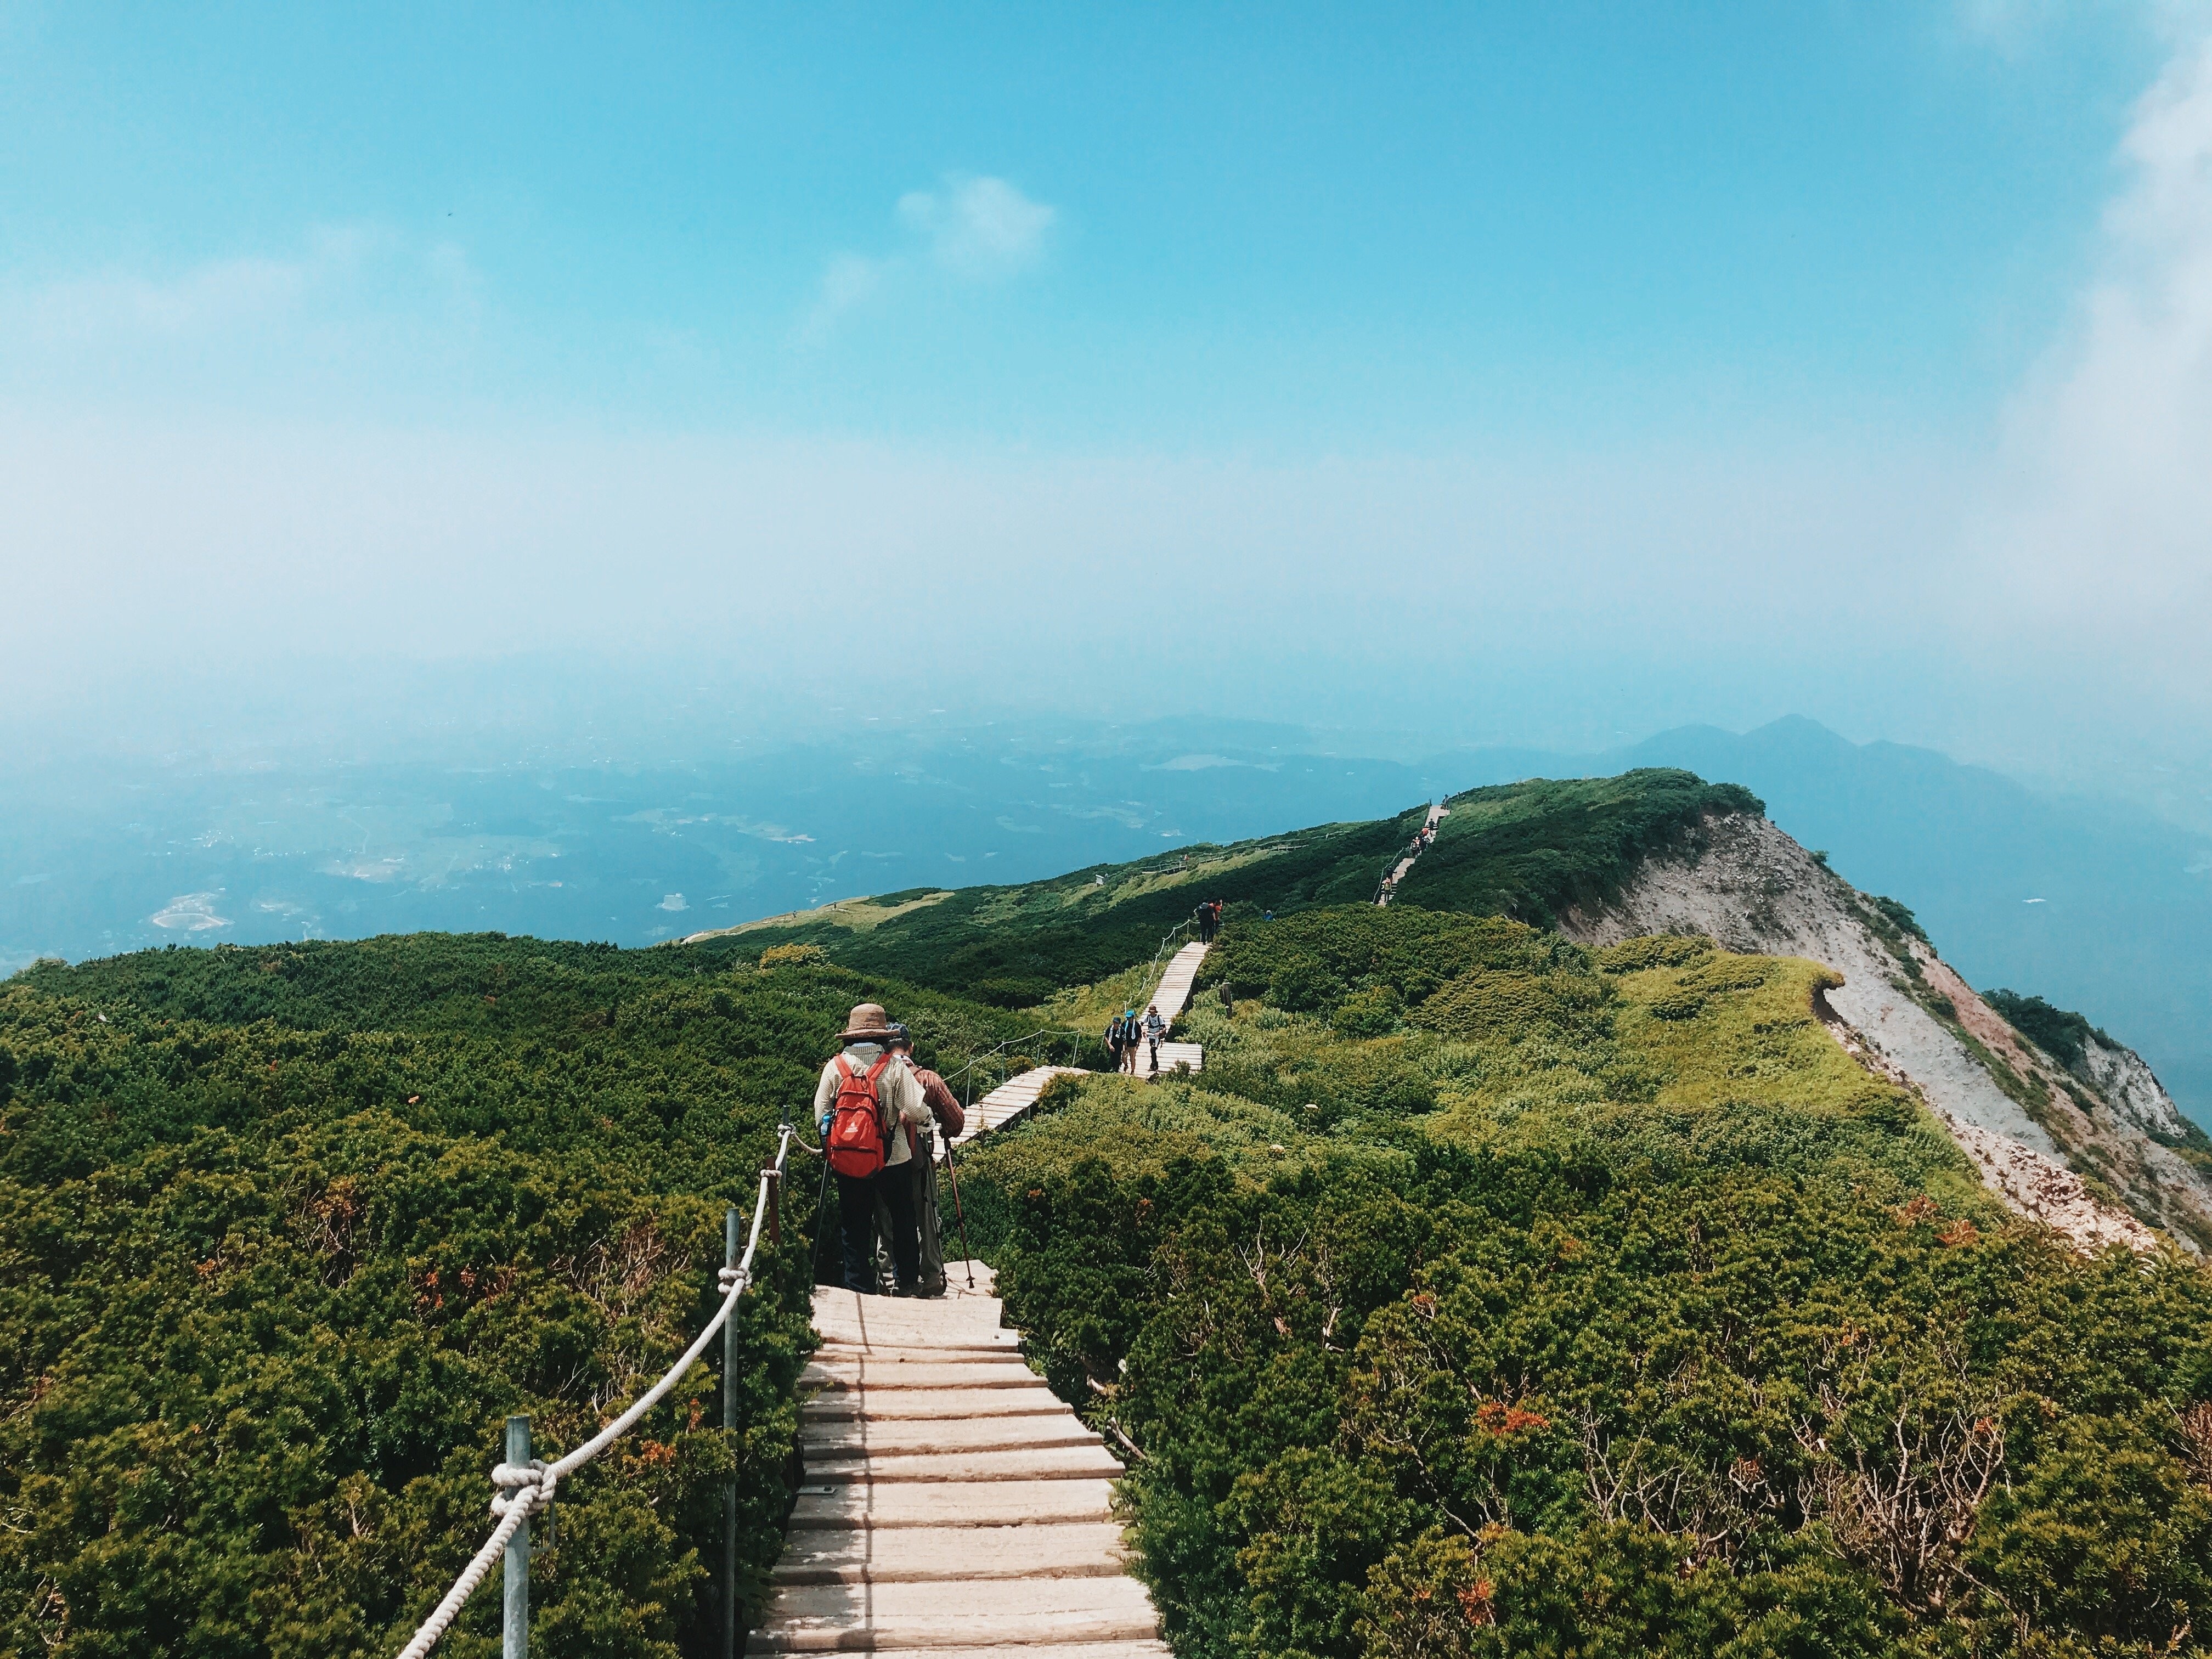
<point>2081,1149</point>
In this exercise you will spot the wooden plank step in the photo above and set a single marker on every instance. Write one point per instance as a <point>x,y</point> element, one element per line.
<point>1038,1651</point>
<point>841,1617</point>
<point>967,1347</point>
<point>867,1374</point>
<point>880,1437</point>
<point>1173,1054</point>
<point>877,1356</point>
<point>978,1464</point>
<point>899,1322</point>
<point>1087,1549</point>
<point>928,1404</point>
<point>932,1504</point>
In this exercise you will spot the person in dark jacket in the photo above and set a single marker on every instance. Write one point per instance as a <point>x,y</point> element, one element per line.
<point>947,1120</point>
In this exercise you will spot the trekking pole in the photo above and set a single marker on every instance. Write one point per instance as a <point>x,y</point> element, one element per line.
<point>967,1255</point>
<point>821,1206</point>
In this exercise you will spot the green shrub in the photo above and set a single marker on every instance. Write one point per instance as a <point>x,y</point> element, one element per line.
<point>1373,1013</point>
<point>2063,1034</point>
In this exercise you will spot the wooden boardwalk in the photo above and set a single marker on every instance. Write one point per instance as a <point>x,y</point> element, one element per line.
<point>1019,1092</point>
<point>1437,813</point>
<point>1173,995</point>
<point>952,1502</point>
<point>1010,1099</point>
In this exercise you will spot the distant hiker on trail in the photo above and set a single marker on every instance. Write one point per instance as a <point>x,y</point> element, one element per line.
<point>1208,917</point>
<point>945,1108</point>
<point>1133,1029</point>
<point>1155,1029</point>
<point>864,1104</point>
<point>1117,1040</point>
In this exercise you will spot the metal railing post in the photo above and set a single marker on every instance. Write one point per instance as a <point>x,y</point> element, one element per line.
<point>514,1635</point>
<point>730,1421</point>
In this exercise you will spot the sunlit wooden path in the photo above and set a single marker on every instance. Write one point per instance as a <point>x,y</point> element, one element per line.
<point>1437,813</point>
<point>1019,1092</point>
<point>951,1501</point>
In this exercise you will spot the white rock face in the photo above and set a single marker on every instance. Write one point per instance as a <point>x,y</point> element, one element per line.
<point>2124,1078</point>
<point>2032,1129</point>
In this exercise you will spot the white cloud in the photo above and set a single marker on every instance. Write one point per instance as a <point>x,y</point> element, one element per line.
<point>969,230</point>
<point>850,281</point>
<point>252,290</point>
<point>979,228</point>
<point>2096,537</point>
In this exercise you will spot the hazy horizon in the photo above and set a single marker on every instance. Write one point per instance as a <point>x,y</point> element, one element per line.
<point>1528,381</point>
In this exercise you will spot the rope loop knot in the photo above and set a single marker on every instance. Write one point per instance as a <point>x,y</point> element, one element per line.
<point>530,1485</point>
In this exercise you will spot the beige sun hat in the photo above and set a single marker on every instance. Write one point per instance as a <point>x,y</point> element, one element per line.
<point>867,1023</point>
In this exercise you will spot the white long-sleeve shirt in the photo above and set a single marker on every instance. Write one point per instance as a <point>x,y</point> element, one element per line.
<point>899,1088</point>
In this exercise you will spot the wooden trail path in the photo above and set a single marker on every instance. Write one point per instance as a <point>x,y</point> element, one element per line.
<point>952,1503</point>
<point>1437,813</point>
<point>954,1507</point>
<point>1019,1092</point>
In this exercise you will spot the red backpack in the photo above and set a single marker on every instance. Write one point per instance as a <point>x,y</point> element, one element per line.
<point>856,1121</point>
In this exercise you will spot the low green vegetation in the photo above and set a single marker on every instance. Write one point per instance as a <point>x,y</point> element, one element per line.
<point>1488,1296</point>
<point>1483,1294</point>
<point>285,1234</point>
<point>1538,850</point>
<point>2061,1034</point>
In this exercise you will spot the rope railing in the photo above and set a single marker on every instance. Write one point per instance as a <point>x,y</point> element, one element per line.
<point>527,1485</point>
<point>1027,1038</point>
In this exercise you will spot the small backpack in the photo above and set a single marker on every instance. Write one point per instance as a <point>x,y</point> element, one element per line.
<point>856,1121</point>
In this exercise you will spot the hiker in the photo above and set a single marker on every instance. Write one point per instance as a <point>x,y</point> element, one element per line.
<point>1133,1033</point>
<point>948,1120</point>
<point>1117,1040</point>
<point>865,1104</point>
<point>1155,1029</point>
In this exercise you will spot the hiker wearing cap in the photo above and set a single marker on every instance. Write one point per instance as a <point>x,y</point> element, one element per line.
<point>948,1120</point>
<point>867,1104</point>
<point>1155,1029</point>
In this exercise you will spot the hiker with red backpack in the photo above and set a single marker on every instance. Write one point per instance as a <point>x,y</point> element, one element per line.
<point>868,1104</point>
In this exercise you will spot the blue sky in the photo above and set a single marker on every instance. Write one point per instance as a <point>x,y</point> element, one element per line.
<point>1651,364</point>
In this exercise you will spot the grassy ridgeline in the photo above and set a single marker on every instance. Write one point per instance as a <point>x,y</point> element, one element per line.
<point>1527,849</point>
<point>1503,1297</point>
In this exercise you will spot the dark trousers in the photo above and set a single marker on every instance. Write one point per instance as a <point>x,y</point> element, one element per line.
<point>856,1217</point>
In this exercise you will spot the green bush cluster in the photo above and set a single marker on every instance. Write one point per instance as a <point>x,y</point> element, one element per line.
<point>273,1273</point>
<point>1503,1403</point>
<point>1599,1304</point>
<point>2059,1032</point>
<point>1482,1295</point>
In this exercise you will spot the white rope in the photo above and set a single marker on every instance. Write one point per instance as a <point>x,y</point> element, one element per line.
<point>473,1575</point>
<point>531,1486</point>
